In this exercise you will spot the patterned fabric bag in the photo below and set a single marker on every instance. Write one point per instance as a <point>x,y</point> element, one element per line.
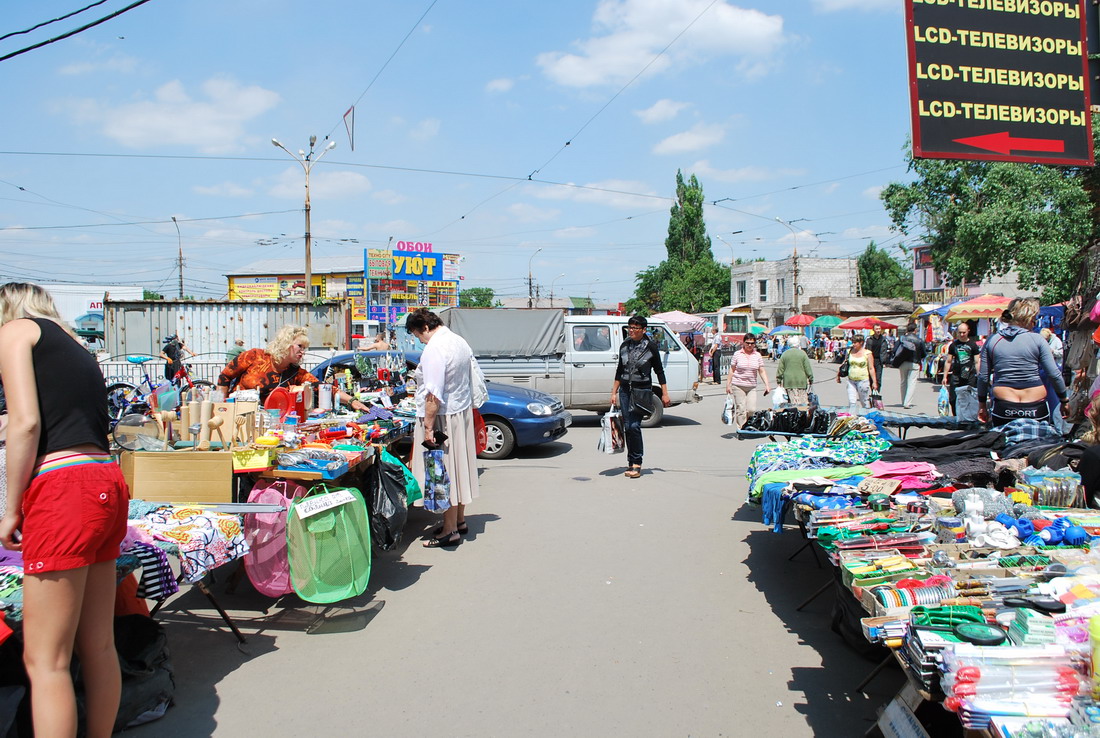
<point>437,482</point>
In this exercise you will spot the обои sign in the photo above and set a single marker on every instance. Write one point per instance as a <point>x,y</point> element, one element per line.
<point>1002,80</point>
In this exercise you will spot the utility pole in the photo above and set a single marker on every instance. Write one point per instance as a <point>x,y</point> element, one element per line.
<point>531,281</point>
<point>307,161</point>
<point>794,269</point>
<point>179,261</point>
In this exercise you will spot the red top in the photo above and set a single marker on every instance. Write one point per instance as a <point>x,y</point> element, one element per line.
<point>255,369</point>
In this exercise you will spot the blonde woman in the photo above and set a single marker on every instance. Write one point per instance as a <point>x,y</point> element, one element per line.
<point>275,366</point>
<point>66,511</point>
<point>1010,370</point>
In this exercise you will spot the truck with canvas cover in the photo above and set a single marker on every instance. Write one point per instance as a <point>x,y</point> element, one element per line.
<point>570,356</point>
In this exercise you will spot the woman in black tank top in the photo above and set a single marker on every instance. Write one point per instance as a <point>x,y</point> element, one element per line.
<point>66,511</point>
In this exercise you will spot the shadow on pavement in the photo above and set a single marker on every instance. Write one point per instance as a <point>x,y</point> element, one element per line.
<point>831,706</point>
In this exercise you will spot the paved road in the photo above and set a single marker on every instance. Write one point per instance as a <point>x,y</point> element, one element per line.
<point>582,604</point>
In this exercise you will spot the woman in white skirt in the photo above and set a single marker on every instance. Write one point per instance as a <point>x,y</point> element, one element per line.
<point>443,402</point>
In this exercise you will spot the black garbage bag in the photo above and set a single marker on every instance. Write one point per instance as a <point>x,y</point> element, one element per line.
<point>148,684</point>
<point>384,485</point>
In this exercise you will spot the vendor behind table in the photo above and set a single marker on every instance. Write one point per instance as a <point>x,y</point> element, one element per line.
<point>275,366</point>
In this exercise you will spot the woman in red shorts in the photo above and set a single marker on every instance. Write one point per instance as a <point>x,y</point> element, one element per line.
<point>66,511</point>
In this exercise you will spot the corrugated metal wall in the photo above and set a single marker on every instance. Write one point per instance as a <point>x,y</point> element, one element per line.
<point>140,326</point>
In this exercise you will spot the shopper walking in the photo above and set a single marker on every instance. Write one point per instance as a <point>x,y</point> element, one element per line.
<point>878,345</point>
<point>1013,361</point>
<point>960,373</point>
<point>66,511</point>
<point>862,380</point>
<point>632,390</point>
<point>908,355</point>
<point>173,355</point>
<point>746,366</point>
<point>444,402</point>
<point>795,374</point>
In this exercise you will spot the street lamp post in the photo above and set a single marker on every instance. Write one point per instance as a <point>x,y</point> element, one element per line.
<point>531,280</point>
<point>307,161</point>
<point>591,306</point>
<point>552,282</point>
<point>179,240</point>
<point>794,260</point>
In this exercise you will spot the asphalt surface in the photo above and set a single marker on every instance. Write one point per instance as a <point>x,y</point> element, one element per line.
<point>582,603</point>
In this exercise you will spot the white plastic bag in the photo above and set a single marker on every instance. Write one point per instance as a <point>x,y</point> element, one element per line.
<point>779,397</point>
<point>611,432</point>
<point>479,393</point>
<point>727,411</point>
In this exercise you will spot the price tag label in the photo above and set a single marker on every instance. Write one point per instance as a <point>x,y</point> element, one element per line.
<point>313,505</point>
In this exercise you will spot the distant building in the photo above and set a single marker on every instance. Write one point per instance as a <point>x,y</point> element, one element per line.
<point>777,289</point>
<point>929,286</point>
<point>859,307</point>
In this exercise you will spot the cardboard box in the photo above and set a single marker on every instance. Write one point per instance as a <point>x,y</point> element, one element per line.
<point>179,477</point>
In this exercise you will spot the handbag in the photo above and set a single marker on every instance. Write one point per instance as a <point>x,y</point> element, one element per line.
<point>328,544</point>
<point>843,371</point>
<point>266,562</point>
<point>611,432</point>
<point>642,401</point>
<point>479,393</point>
<point>876,401</point>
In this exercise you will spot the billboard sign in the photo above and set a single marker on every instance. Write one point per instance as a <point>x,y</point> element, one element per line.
<point>999,80</point>
<point>413,266</point>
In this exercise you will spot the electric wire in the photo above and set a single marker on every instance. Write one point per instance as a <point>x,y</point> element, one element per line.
<point>73,32</point>
<point>54,20</point>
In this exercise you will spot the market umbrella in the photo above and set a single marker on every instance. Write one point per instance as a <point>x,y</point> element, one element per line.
<point>799,320</point>
<point>856,324</point>
<point>758,328</point>
<point>827,321</point>
<point>785,330</point>
<point>986,306</point>
<point>680,321</point>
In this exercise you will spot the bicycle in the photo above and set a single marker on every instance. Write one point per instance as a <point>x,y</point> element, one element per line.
<point>126,398</point>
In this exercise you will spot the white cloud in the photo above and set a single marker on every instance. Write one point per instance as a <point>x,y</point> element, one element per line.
<point>877,232</point>
<point>425,129</point>
<point>750,173</point>
<point>873,192</point>
<point>225,189</point>
<point>117,64</point>
<point>527,213</point>
<point>628,34</point>
<point>213,125</point>
<point>615,193</point>
<point>333,229</point>
<point>333,185</point>
<point>832,6</point>
<point>575,232</point>
<point>830,188</point>
<point>499,85</point>
<point>389,197</point>
<point>700,136</point>
<point>396,228</point>
<point>660,111</point>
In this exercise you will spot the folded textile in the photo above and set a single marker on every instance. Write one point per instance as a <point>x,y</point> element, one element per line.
<point>790,475</point>
<point>814,453</point>
<point>206,540</point>
<point>944,449</point>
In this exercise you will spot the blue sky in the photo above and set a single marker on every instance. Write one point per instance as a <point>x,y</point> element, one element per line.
<point>795,110</point>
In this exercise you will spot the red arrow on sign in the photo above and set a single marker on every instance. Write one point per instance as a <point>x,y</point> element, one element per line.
<point>1004,143</point>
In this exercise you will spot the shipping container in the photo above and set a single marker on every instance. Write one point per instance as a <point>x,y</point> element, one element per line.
<point>209,329</point>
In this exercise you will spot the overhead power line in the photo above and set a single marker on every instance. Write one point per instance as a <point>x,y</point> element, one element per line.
<point>73,32</point>
<point>54,20</point>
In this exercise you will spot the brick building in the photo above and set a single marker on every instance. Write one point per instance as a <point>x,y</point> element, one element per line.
<point>777,289</point>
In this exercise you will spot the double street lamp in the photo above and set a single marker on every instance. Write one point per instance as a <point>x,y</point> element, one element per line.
<point>307,161</point>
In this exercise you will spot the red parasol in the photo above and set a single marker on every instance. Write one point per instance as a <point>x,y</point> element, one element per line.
<point>799,320</point>
<point>870,322</point>
<point>986,306</point>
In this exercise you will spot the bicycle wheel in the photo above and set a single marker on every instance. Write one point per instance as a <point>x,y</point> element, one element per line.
<point>121,396</point>
<point>201,388</point>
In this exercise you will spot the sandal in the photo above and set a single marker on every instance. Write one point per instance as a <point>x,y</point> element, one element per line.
<point>633,472</point>
<point>444,542</point>
<point>462,529</point>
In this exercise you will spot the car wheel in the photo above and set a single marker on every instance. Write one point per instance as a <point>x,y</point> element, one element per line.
<point>654,420</point>
<point>501,440</point>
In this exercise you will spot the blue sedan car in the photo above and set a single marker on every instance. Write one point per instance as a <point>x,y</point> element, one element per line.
<point>513,416</point>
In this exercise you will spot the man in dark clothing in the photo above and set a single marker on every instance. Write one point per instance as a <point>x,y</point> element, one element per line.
<point>908,355</point>
<point>174,349</point>
<point>960,369</point>
<point>878,345</point>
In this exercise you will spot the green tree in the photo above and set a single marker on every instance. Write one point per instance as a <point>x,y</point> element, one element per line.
<point>147,294</point>
<point>689,279</point>
<point>983,219</point>
<point>881,275</point>
<point>477,297</point>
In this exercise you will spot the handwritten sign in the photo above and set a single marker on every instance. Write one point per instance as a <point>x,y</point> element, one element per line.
<point>313,505</point>
<point>871,486</point>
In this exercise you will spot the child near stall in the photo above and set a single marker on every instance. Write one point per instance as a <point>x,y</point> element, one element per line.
<point>66,512</point>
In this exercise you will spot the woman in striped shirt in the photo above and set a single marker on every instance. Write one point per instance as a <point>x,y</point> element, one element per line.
<point>747,364</point>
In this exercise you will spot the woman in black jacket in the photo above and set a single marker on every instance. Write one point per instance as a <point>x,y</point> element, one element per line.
<point>633,388</point>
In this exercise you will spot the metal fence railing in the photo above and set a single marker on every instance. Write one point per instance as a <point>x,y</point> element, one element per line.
<point>202,366</point>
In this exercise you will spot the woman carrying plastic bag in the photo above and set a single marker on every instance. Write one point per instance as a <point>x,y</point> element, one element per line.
<point>611,432</point>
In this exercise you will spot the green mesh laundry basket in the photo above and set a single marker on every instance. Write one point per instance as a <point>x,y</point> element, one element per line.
<point>328,544</point>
